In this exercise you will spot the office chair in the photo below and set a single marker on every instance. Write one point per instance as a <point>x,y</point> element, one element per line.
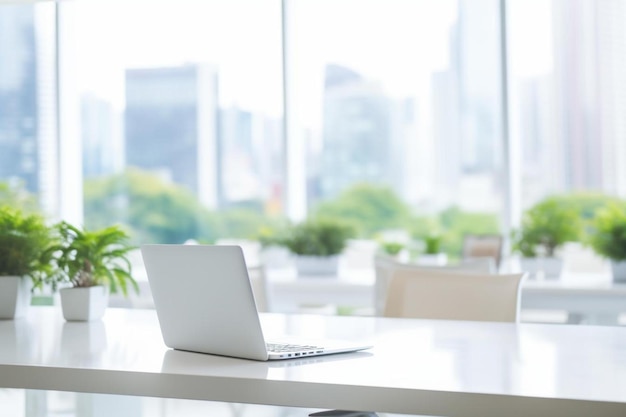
<point>480,246</point>
<point>454,295</point>
<point>385,266</point>
<point>258,281</point>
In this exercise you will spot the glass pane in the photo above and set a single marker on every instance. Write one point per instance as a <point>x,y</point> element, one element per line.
<point>180,114</point>
<point>28,176</point>
<point>402,96</point>
<point>568,95</point>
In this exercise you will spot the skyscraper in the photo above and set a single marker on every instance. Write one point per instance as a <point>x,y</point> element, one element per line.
<point>358,133</point>
<point>28,102</point>
<point>171,125</point>
<point>18,96</point>
<point>101,130</point>
<point>577,99</point>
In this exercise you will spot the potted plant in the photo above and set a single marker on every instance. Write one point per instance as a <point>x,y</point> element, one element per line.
<point>317,244</point>
<point>24,239</point>
<point>545,228</point>
<point>90,264</point>
<point>392,248</point>
<point>431,252</point>
<point>608,237</point>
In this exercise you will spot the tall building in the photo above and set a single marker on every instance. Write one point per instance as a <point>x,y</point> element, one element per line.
<point>171,126</point>
<point>577,100</point>
<point>18,96</point>
<point>476,58</point>
<point>28,104</point>
<point>575,131</point>
<point>467,144</point>
<point>247,145</point>
<point>612,88</point>
<point>359,133</point>
<point>102,136</point>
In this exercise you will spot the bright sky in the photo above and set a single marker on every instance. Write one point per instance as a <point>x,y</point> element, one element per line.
<point>400,42</point>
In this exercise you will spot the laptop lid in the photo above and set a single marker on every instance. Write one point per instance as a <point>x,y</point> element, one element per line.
<point>204,300</point>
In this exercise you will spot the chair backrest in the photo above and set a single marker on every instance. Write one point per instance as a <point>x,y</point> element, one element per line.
<point>453,295</point>
<point>260,289</point>
<point>385,266</point>
<point>480,246</point>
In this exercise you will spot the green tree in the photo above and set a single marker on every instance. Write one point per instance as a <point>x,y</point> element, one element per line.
<point>585,203</point>
<point>368,208</point>
<point>457,223</point>
<point>547,226</point>
<point>243,223</point>
<point>14,194</point>
<point>154,211</point>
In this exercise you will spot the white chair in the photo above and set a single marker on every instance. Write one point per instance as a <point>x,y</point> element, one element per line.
<point>481,246</point>
<point>385,266</point>
<point>260,289</point>
<point>251,249</point>
<point>454,295</point>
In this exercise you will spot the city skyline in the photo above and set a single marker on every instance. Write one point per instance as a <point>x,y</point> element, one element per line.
<point>443,141</point>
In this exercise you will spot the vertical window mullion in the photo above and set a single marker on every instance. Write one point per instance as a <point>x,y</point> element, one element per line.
<point>69,140</point>
<point>294,157</point>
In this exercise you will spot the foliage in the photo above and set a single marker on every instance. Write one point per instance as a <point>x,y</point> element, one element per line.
<point>432,244</point>
<point>14,194</point>
<point>153,210</point>
<point>243,222</point>
<point>156,211</point>
<point>392,248</point>
<point>317,237</point>
<point>451,225</point>
<point>24,239</point>
<point>545,227</point>
<point>369,208</point>
<point>608,237</point>
<point>84,258</point>
<point>586,203</point>
<point>273,233</point>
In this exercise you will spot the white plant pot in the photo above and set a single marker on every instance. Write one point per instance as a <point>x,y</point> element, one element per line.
<point>275,257</point>
<point>84,304</point>
<point>548,267</point>
<point>435,259</point>
<point>619,271</point>
<point>15,297</point>
<point>317,265</point>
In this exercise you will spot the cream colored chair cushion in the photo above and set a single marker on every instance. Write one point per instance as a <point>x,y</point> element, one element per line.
<point>385,266</point>
<point>481,246</point>
<point>453,295</point>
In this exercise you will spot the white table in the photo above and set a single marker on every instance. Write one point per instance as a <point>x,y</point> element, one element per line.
<point>416,367</point>
<point>591,299</point>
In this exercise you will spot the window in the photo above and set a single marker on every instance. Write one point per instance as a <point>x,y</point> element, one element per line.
<point>402,94</point>
<point>203,119</point>
<point>180,114</point>
<point>568,96</point>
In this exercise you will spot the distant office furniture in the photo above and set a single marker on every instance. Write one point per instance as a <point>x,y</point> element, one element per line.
<point>480,246</point>
<point>258,280</point>
<point>251,249</point>
<point>453,295</point>
<point>385,266</point>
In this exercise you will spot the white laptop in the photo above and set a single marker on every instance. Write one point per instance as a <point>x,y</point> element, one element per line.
<point>204,302</point>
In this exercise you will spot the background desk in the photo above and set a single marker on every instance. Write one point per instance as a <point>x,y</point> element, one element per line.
<point>416,366</point>
<point>591,299</point>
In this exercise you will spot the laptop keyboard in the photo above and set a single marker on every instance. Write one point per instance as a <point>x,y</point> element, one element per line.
<point>291,348</point>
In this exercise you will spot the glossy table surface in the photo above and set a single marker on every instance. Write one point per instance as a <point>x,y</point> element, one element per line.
<point>416,366</point>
